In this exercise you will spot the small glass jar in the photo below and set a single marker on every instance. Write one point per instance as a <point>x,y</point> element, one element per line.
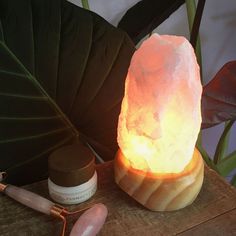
<point>72,175</point>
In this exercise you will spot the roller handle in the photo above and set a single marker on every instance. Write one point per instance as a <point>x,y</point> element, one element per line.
<point>29,199</point>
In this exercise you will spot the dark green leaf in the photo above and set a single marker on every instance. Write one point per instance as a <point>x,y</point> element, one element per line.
<point>54,54</point>
<point>146,15</point>
<point>219,97</point>
<point>228,164</point>
<point>223,143</point>
<point>31,124</point>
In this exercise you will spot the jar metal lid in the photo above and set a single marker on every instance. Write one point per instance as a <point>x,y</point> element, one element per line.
<point>71,165</point>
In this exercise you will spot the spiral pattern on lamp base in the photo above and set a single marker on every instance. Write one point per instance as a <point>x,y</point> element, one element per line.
<point>160,192</point>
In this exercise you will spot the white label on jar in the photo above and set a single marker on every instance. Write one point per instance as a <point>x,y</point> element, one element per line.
<point>73,195</point>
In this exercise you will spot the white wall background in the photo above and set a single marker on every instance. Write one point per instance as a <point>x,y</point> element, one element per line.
<point>218,39</point>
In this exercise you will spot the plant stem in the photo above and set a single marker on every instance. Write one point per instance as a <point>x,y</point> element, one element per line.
<point>226,143</point>
<point>199,139</point>
<point>223,143</point>
<point>228,164</point>
<point>206,157</point>
<point>191,11</point>
<point>197,22</point>
<point>85,4</point>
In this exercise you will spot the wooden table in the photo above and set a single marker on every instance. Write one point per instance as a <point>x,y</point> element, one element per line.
<point>212,213</point>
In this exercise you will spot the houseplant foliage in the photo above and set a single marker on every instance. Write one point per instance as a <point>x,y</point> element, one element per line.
<point>62,72</point>
<point>145,16</point>
<point>219,105</point>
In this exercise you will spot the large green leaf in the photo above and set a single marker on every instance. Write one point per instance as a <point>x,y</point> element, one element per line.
<point>146,15</point>
<point>219,97</point>
<point>54,54</point>
<point>31,124</point>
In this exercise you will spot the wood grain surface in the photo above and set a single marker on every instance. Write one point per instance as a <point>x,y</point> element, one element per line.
<point>212,213</point>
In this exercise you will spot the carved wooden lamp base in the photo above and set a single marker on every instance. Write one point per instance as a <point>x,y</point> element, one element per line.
<point>161,192</point>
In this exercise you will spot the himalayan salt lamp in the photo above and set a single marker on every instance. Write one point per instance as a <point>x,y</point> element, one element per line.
<point>157,163</point>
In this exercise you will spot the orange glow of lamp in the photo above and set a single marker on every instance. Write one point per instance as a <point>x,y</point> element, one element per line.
<point>157,163</point>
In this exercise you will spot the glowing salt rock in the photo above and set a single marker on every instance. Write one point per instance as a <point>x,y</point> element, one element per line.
<point>160,115</point>
<point>160,118</point>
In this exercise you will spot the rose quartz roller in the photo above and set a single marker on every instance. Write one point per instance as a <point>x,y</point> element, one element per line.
<point>48,207</point>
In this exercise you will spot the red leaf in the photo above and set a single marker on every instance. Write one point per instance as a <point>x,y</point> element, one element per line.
<point>219,97</point>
